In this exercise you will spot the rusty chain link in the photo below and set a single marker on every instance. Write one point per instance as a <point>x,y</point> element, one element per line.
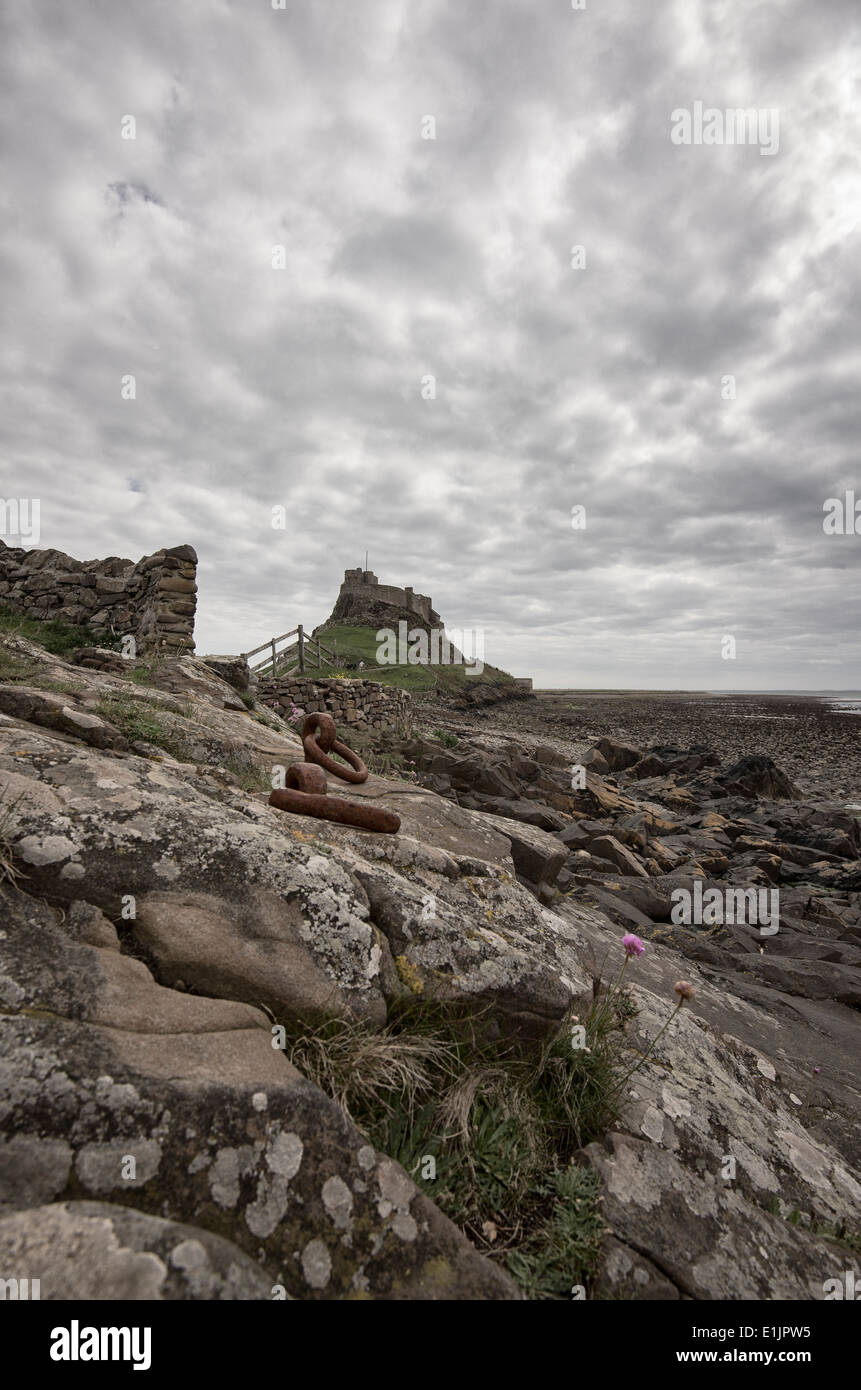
<point>305,790</point>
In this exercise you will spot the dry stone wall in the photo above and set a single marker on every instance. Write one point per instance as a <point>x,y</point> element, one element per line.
<point>355,704</point>
<point>153,601</point>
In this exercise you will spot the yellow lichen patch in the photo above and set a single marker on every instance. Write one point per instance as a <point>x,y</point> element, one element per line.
<point>409,975</point>
<point>439,1272</point>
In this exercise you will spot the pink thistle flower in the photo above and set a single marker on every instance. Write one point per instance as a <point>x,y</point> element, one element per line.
<point>633,945</point>
<point>684,990</point>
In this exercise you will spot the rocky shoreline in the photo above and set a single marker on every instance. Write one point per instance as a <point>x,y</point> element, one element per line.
<point>819,746</point>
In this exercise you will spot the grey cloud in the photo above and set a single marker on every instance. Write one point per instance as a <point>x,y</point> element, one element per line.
<point>301,387</point>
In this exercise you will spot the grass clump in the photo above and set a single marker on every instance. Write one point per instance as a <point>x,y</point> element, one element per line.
<point>139,722</point>
<point>250,777</point>
<point>446,739</point>
<point>489,1130</point>
<point>9,873</point>
<point>15,669</point>
<point>355,644</point>
<point>548,1262</point>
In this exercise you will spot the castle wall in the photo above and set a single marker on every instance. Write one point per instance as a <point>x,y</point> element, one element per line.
<point>366,583</point>
<point>153,601</point>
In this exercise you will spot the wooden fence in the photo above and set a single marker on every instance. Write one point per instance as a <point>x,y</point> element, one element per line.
<point>303,654</point>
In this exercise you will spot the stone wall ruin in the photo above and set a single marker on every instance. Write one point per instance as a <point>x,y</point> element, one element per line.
<point>152,601</point>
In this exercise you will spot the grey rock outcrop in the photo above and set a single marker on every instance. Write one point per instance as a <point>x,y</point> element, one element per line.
<point>159,920</point>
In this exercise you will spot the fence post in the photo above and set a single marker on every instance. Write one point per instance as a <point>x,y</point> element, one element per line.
<point>273,658</point>
<point>301,648</point>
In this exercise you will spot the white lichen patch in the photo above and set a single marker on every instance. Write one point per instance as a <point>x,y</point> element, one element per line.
<point>404,1226</point>
<point>284,1155</point>
<point>166,868</point>
<point>45,849</point>
<point>224,1175</point>
<point>338,1201</point>
<point>316,1264</point>
<point>675,1105</point>
<point>395,1187</point>
<point>267,1210</point>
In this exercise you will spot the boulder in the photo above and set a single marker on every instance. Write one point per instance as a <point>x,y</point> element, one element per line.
<point>232,669</point>
<point>618,756</point>
<point>608,847</point>
<point>758,776</point>
<point>596,761</point>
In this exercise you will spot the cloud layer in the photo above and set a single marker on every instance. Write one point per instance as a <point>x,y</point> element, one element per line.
<point>555,383</point>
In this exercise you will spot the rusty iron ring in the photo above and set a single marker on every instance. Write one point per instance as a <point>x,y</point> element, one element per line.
<point>325,725</point>
<point>317,749</point>
<point>305,788</point>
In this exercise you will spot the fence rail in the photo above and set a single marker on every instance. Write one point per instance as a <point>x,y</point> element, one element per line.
<point>305,652</point>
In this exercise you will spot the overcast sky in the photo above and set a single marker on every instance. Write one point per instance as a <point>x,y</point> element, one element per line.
<point>556,384</point>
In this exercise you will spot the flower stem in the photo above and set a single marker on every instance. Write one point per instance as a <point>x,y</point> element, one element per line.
<point>645,1057</point>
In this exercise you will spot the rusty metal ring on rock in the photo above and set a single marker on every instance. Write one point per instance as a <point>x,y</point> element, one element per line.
<point>316,750</point>
<point>305,787</point>
<point>325,726</point>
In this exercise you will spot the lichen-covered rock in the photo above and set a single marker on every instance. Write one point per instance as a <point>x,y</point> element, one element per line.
<point>210,1126</point>
<point>83,1251</point>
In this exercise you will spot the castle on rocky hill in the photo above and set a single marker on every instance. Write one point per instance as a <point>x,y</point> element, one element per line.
<point>364,602</point>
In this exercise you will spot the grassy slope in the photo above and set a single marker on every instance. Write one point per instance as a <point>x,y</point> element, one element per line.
<point>360,644</point>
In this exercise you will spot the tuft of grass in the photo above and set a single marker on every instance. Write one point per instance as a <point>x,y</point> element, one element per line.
<point>841,1235</point>
<point>9,873</point>
<point>563,1250</point>
<point>250,777</point>
<point>266,721</point>
<point>355,644</point>
<point>446,739</point>
<point>489,1131</point>
<point>15,669</point>
<point>139,721</point>
<point>61,687</point>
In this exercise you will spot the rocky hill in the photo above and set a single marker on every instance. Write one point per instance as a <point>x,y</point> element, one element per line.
<point>249,1054</point>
